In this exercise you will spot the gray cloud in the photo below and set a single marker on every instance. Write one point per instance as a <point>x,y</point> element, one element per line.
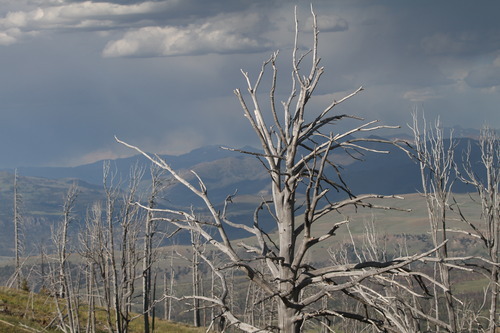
<point>221,34</point>
<point>160,74</point>
<point>484,77</point>
<point>327,23</point>
<point>441,43</point>
<point>143,23</point>
<point>420,95</point>
<point>75,16</point>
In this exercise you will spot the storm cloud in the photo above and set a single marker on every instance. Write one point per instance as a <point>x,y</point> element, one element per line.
<point>160,74</point>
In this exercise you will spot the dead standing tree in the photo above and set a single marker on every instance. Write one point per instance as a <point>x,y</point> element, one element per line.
<point>18,231</point>
<point>149,254</point>
<point>306,185</point>
<point>110,246</point>
<point>488,228</point>
<point>66,289</point>
<point>436,167</point>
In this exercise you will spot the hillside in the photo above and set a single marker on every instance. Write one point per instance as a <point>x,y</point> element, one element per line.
<point>21,311</point>
<point>224,173</point>
<point>42,200</point>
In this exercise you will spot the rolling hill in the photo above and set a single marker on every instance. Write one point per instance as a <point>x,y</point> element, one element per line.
<point>224,173</point>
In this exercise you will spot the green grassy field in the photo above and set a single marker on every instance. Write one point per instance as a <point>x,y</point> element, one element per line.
<point>22,311</point>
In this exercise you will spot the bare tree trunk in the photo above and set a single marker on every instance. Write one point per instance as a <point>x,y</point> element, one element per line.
<point>154,306</point>
<point>18,222</point>
<point>113,288</point>
<point>91,287</point>
<point>165,293</point>
<point>172,283</point>
<point>148,255</point>
<point>195,262</point>
<point>64,285</point>
<point>436,164</point>
<point>489,232</point>
<point>94,243</point>
<point>212,293</point>
<point>127,269</point>
<point>43,275</point>
<point>490,149</point>
<point>109,243</point>
<point>146,269</point>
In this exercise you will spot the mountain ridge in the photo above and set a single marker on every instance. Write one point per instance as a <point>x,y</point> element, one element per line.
<point>224,173</point>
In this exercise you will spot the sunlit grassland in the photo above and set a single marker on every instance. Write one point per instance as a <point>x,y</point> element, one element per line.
<point>24,311</point>
<point>404,227</point>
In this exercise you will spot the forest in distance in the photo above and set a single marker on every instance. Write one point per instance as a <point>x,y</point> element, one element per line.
<point>308,241</point>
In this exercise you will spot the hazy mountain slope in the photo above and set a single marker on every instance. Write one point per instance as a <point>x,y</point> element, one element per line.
<point>223,172</point>
<point>42,202</point>
<point>92,173</point>
<point>395,172</point>
<point>226,171</point>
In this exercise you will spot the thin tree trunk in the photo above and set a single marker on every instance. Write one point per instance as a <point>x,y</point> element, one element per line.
<point>17,231</point>
<point>165,293</point>
<point>172,282</point>
<point>436,164</point>
<point>195,262</point>
<point>154,307</point>
<point>149,234</point>
<point>146,269</point>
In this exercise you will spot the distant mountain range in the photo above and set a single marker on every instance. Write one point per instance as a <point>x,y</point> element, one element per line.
<point>224,173</point>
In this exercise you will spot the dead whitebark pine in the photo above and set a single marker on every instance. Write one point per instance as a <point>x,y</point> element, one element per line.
<point>65,289</point>
<point>94,249</point>
<point>437,164</point>
<point>17,278</point>
<point>149,255</point>
<point>110,246</point>
<point>196,277</point>
<point>297,151</point>
<point>124,252</point>
<point>488,227</point>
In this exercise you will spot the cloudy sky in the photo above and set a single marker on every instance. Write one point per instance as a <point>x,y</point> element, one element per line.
<point>160,74</point>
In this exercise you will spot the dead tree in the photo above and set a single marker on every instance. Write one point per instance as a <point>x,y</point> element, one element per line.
<point>130,219</point>
<point>64,287</point>
<point>436,167</point>
<point>298,152</point>
<point>168,288</point>
<point>97,246</point>
<point>196,277</point>
<point>93,242</point>
<point>110,245</point>
<point>150,229</point>
<point>122,251</point>
<point>18,232</point>
<point>488,231</point>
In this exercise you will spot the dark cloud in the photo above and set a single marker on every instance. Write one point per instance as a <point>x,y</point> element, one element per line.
<point>222,34</point>
<point>151,28</point>
<point>169,67</point>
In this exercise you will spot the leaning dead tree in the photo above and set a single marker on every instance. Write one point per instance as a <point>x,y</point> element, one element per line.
<point>299,152</point>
